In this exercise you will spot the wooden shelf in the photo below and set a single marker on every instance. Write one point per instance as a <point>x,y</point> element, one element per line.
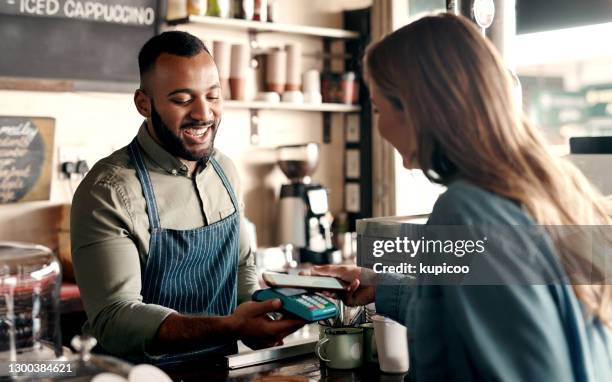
<point>253,28</point>
<point>262,27</point>
<point>322,107</point>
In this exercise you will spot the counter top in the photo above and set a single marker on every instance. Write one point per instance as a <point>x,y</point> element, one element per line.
<point>304,367</point>
<point>308,367</point>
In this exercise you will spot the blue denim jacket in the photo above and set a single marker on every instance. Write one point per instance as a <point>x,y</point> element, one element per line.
<point>494,332</point>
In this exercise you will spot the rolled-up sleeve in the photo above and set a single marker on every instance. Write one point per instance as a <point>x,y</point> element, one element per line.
<point>107,269</point>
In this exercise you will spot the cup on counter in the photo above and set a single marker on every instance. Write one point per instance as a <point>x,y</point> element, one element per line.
<point>391,345</point>
<point>370,354</point>
<point>340,348</point>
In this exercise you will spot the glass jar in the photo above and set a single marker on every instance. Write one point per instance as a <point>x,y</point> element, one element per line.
<point>273,10</point>
<point>197,7</point>
<point>218,8</point>
<point>30,280</point>
<point>243,9</point>
<point>261,10</point>
<point>176,10</point>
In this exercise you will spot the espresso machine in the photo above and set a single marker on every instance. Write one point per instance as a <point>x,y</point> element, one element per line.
<point>304,220</point>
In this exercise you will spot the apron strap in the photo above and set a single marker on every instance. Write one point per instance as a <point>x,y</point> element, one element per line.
<point>145,182</point>
<point>226,183</point>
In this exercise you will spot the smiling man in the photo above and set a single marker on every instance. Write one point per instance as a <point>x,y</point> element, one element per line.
<point>160,255</point>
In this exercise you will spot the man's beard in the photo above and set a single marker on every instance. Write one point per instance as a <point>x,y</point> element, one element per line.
<point>174,145</point>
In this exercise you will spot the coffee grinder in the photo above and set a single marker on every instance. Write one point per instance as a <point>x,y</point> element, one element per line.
<point>303,215</point>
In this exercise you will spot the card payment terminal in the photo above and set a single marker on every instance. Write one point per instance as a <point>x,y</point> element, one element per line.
<point>304,304</point>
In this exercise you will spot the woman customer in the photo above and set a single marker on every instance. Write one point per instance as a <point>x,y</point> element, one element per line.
<point>445,101</point>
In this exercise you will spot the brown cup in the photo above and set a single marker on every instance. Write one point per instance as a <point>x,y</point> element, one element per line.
<point>276,88</point>
<point>294,67</point>
<point>222,55</point>
<point>238,88</point>
<point>238,71</point>
<point>276,71</point>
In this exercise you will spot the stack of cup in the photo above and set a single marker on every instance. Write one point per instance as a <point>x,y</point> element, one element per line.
<point>294,68</point>
<point>391,345</point>
<point>238,71</point>
<point>276,71</point>
<point>222,54</point>
<point>312,87</point>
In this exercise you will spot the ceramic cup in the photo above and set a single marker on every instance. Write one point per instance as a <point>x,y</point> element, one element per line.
<point>222,55</point>
<point>391,345</point>
<point>370,354</point>
<point>340,348</point>
<point>312,87</point>
<point>294,96</point>
<point>312,81</point>
<point>294,67</point>
<point>276,71</point>
<point>239,66</point>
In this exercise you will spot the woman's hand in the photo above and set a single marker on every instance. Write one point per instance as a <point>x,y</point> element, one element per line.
<point>361,289</point>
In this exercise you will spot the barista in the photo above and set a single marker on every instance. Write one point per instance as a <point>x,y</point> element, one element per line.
<point>159,246</point>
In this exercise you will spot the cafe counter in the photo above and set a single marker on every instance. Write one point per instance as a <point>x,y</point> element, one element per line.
<point>293,361</point>
<point>306,368</point>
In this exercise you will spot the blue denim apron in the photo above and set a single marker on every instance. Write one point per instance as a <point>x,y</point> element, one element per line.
<point>192,271</point>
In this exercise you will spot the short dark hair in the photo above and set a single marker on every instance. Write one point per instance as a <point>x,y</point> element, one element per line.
<point>173,42</point>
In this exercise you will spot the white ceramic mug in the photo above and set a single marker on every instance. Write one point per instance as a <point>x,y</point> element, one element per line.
<point>312,81</point>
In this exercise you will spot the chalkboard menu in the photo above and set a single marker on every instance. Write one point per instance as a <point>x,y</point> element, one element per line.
<point>26,156</point>
<point>75,39</point>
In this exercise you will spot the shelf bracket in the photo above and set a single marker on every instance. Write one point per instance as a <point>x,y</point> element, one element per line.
<point>253,43</point>
<point>327,51</point>
<point>327,117</point>
<point>254,119</point>
<point>327,122</point>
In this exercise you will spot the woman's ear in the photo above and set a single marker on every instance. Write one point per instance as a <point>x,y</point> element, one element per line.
<point>143,103</point>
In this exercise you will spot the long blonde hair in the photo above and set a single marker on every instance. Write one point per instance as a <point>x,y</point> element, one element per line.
<point>458,103</point>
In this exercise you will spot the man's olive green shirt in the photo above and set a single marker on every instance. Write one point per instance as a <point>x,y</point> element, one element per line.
<point>110,237</point>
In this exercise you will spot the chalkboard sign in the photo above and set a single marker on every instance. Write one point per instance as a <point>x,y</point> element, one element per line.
<point>26,156</point>
<point>75,40</point>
